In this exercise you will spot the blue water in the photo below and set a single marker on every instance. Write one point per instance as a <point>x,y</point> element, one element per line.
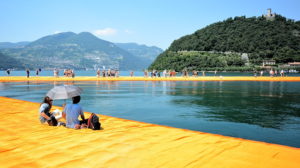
<point>263,111</point>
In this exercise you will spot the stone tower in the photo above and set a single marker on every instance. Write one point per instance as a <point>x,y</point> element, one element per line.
<point>270,15</point>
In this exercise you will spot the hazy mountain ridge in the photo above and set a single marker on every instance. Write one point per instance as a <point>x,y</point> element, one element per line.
<point>13,45</point>
<point>141,50</point>
<point>79,51</point>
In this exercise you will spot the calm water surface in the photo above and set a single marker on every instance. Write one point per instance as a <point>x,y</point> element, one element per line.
<point>263,111</point>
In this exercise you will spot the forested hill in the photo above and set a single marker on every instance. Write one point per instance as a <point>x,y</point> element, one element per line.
<point>9,62</point>
<point>258,37</point>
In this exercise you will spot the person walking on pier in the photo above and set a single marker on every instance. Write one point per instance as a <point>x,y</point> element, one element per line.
<point>271,73</point>
<point>37,72</point>
<point>98,72</point>
<point>8,72</point>
<point>131,73</point>
<point>56,73</point>
<point>164,73</point>
<point>27,72</point>
<point>282,73</point>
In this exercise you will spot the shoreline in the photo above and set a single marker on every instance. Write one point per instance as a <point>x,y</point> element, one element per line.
<point>126,143</point>
<point>125,78</point>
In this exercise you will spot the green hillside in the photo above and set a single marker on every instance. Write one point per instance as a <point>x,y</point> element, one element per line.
<point>9,63</point>
<point>220,45</point>
<point>78,51</point>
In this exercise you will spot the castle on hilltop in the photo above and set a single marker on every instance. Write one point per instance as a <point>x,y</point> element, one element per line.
<point>270,15</point>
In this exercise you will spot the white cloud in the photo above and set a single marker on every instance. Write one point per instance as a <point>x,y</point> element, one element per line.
<point>105,32</point>
<point>56,32</point>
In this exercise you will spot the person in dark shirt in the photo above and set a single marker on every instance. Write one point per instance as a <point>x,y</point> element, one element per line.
<point>27,72</point>
<point>8,72</point>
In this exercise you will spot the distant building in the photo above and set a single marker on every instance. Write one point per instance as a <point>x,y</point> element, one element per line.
<point>294,64</point>
<point>268,63</point>
<point>270,15</point>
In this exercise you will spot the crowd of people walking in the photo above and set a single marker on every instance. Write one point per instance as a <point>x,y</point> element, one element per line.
<point>154,73</point>
<point>272,73</point>
<point>107,73</point>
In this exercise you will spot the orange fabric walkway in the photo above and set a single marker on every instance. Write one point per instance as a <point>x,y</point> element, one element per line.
<point>24,142</point>
<point>124,78</point>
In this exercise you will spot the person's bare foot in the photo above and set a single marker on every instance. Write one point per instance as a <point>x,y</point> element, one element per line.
<point>77,126</point>
<point>83,126</point>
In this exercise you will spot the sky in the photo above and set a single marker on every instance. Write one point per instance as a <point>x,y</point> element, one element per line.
<point>150,22</point>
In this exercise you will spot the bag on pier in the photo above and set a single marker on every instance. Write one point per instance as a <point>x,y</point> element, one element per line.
<point>93,122</point>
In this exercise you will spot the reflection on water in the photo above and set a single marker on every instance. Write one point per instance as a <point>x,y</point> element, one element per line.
<point>265,111</point>
<point>258,103</point>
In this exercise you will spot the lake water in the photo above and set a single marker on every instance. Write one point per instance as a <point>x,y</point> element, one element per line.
<point>263,111</point>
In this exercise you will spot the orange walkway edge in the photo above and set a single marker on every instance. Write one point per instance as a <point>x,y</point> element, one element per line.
<point>24,142</point>
<point>123,78</point>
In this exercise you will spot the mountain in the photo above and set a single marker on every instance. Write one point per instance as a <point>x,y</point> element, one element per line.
<point>222,44</point>
<point>9,63</point>
<point>78,51</point>
<point>13,45</point>
<point>143,51</point>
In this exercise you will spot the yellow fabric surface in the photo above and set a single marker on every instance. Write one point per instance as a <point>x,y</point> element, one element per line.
<point>122,78</point>
<point>24,142</point>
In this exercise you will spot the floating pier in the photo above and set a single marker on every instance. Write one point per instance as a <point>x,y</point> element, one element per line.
<point>25,142</point>
<point>126,78</point>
